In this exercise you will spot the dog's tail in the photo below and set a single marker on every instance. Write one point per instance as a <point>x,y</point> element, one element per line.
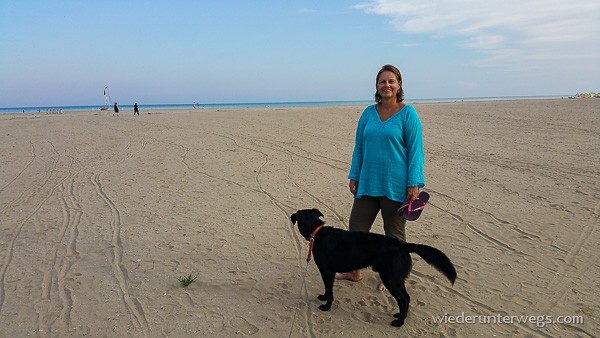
<point>435,257</point>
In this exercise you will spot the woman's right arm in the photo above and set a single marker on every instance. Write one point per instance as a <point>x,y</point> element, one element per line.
<point>357,154</point>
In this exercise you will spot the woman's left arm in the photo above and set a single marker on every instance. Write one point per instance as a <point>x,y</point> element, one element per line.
<point>413,134</point>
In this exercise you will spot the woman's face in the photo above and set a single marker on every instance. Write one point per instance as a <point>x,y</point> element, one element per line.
<point>387,85</point>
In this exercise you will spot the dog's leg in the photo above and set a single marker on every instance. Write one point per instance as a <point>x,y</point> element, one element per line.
<point>402,301</point>
<point>397,290</point>
<point>328,279</point>
<point>407,297</point>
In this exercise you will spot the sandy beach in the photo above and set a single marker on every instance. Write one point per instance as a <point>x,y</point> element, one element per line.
<point>100,216</point>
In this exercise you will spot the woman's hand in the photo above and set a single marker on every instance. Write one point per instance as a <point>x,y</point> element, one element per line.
<point>412,193</point>
<point>353,185</point>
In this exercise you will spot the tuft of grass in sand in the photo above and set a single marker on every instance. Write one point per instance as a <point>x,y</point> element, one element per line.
<point>187,280</point>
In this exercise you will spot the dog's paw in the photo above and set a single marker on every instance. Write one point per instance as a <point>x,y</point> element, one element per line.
<point>397,322</point>
<point>325,307</point>
<point>399,315</point>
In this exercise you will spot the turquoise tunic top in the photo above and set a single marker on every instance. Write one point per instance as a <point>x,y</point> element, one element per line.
<point>388,156</point>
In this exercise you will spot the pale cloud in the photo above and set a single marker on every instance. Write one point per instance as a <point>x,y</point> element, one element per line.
<point>505,31</point>
<point>409,44</point>
<point>306,11</point>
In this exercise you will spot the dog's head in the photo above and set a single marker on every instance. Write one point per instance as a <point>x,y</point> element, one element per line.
<point>308,220</point>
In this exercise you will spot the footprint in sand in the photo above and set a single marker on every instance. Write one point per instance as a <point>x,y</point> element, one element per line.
<point>364,316</point>
<point>243,326</point>
<point>283,288</point>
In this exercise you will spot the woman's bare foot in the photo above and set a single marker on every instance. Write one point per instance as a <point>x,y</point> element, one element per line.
<point>353,276</point>
<point>381,287</point>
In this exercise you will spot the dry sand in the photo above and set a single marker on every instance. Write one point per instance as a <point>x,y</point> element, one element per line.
<point>100,216</point>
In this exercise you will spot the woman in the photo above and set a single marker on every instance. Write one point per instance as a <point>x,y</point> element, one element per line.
<point>387,163</point>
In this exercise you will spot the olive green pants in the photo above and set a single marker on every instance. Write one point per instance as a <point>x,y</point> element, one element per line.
<point>365,210</point>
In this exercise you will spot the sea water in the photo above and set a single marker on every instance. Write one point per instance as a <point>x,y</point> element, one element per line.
<point>146,107</point>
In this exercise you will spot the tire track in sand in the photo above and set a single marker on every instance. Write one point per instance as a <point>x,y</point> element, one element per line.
<point>10,251</point>
<point>282,148</point>
<point>475,303</point>
<point>29,191</point>
<point>187,165</point>
<point>133,306</point>
<point>310,156</point>
<point>22,170</point>
<point>63,254</point>
<point>17,230</point>
<point>499,243</point>
<point>558,287</point>
<point>309,329</point>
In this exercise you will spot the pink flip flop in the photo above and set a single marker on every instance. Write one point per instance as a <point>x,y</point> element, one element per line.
<point>411,210</point>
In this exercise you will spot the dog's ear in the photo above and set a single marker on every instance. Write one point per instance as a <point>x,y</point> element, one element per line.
<point>294,218</point>
<point>318,212</point>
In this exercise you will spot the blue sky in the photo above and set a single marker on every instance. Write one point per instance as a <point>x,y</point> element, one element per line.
<point>226,51</point>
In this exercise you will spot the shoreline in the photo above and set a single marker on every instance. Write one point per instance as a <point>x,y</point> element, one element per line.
<point>144,111</point>
<point>45,109</point>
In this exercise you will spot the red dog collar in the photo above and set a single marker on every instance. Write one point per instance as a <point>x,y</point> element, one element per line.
<point>311,242</point>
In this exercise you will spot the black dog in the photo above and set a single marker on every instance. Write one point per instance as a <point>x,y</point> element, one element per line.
<point>338,250</point>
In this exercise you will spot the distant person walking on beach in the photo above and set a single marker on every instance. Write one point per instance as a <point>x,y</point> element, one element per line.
<point>116,108</point>
<point>387,163</point>
<point>136,111</point>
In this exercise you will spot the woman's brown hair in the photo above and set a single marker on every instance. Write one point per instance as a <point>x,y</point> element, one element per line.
<point>390,68</point>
